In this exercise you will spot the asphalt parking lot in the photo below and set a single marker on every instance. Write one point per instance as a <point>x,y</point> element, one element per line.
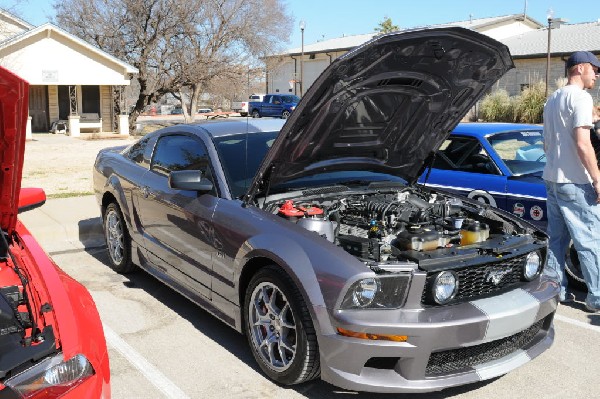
<point>163,346</point>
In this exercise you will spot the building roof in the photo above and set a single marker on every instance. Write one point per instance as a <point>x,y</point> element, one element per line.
<point>563,40</point>
<point>13,19</point>
<point>349,42</point>
<point>50,29</point>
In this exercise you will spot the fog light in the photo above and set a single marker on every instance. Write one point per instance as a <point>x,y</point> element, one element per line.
<point>531,267</point>
<point>445,287</point>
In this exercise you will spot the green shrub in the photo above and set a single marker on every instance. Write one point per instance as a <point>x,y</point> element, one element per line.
<point>497,107</point>
<point>529,106</point>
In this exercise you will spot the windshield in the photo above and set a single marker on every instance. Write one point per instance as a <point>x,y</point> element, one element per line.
<point>240,156</point>
<point>521,151</point>
<point>290,99</point>
<point>349,178</point>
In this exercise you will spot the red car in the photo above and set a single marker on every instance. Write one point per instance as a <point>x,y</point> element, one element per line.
<point>51,339</point>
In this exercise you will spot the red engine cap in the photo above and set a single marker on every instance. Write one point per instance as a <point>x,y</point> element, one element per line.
<point>289,210</point>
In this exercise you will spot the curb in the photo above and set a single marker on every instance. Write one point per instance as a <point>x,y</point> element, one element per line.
<point>66,224</point>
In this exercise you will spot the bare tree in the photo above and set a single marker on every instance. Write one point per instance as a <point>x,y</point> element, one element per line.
<point>223,42</point>
<point>178,46</point>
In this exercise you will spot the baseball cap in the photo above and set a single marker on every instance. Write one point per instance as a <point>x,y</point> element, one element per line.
<point>582,57</point>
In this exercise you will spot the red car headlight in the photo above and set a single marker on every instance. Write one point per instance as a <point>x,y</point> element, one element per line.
<point>51,378</point>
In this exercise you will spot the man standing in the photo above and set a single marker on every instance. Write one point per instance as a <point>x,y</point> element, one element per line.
<point>572,177</point>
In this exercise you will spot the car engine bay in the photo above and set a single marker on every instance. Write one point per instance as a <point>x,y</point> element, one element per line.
<point>407,226</point>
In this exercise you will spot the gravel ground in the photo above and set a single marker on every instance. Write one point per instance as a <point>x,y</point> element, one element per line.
<point>62,165</point>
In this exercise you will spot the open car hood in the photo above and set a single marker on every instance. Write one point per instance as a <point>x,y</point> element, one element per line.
<point>385,106</point>
<point>14,104</point>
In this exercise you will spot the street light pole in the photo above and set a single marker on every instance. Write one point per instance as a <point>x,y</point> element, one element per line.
<point>302,26</point>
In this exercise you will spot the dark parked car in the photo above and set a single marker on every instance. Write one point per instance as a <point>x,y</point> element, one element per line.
<point>51,339</point>
<point>312,238</point>
<point>499,164</point>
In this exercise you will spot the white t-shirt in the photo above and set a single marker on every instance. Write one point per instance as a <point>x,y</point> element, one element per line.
<point>566,109</point>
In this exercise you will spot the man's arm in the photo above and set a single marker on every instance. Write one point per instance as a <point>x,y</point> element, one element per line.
<point>588,156</point>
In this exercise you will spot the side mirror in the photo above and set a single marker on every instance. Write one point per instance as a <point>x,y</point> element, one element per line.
<point>31,198</point>
<point>189,180</point>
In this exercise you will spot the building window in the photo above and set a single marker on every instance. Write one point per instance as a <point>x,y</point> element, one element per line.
<point>90,99</point>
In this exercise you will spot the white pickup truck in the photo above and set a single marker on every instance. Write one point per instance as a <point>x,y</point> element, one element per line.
<point>242,106</point>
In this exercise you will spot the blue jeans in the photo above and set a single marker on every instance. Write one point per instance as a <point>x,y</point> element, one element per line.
<point>574,214</point>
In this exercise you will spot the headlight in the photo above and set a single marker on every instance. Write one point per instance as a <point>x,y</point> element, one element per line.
<point>52,377</point>
<point>531,266</point>
<point>382,292</point>
<point>364,292</point>
<point>445,287</point>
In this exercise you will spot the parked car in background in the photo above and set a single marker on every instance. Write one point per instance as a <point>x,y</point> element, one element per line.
<point>278,105</point>
<point>499,164</point>
<point>51,339</point>
<point>177,111</point>
<point>242,106</point>
<point>204,110</point>
<point>312,237</point>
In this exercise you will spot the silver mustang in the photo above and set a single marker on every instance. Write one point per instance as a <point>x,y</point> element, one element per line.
<point>311,238</point>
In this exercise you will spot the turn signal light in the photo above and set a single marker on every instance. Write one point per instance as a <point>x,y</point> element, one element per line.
<point>373,337</point>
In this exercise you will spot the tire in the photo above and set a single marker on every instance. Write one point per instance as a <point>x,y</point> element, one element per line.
<point>285,114</point>
<point>573,269</point>
<point>279,328</point>
<point>118,241</point>
<point>255,113</point>
<point>243,114</point>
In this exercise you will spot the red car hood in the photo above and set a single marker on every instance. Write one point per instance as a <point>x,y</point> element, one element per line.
<point>14,103</point>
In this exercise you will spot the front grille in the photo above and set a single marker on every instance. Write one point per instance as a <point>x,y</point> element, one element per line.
<point>464,358</point>
<point>477,281</point>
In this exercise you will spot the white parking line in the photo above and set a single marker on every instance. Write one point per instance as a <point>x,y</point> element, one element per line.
<point>577,323</point>
<point>152,374</point>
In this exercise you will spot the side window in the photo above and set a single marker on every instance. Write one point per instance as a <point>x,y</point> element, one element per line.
<point>136,151</point>
<point>464,154</point>
<point>180,153</point>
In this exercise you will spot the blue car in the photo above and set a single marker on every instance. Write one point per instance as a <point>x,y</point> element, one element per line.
<point>499,164</point>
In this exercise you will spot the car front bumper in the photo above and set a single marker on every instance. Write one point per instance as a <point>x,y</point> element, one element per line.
<point>446,346</point>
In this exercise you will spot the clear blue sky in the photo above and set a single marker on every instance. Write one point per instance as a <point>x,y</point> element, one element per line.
<point>328,19</point>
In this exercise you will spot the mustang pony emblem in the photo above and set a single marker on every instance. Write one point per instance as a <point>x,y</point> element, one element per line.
<point>495,276</point>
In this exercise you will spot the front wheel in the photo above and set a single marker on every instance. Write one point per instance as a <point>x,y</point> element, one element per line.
<point>279,328</point>
<point>118,241</point>
<point>285,114</point>
<point>255,114</point>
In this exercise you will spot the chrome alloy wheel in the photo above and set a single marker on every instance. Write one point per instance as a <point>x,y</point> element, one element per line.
<point>115,237</point>
<point>273,327</point>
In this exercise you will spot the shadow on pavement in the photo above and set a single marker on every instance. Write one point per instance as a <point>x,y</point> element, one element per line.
<point>236,343</point>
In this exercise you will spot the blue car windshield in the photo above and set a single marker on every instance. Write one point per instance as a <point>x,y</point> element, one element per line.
<point>521,151</point>
<point>289,99</point>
